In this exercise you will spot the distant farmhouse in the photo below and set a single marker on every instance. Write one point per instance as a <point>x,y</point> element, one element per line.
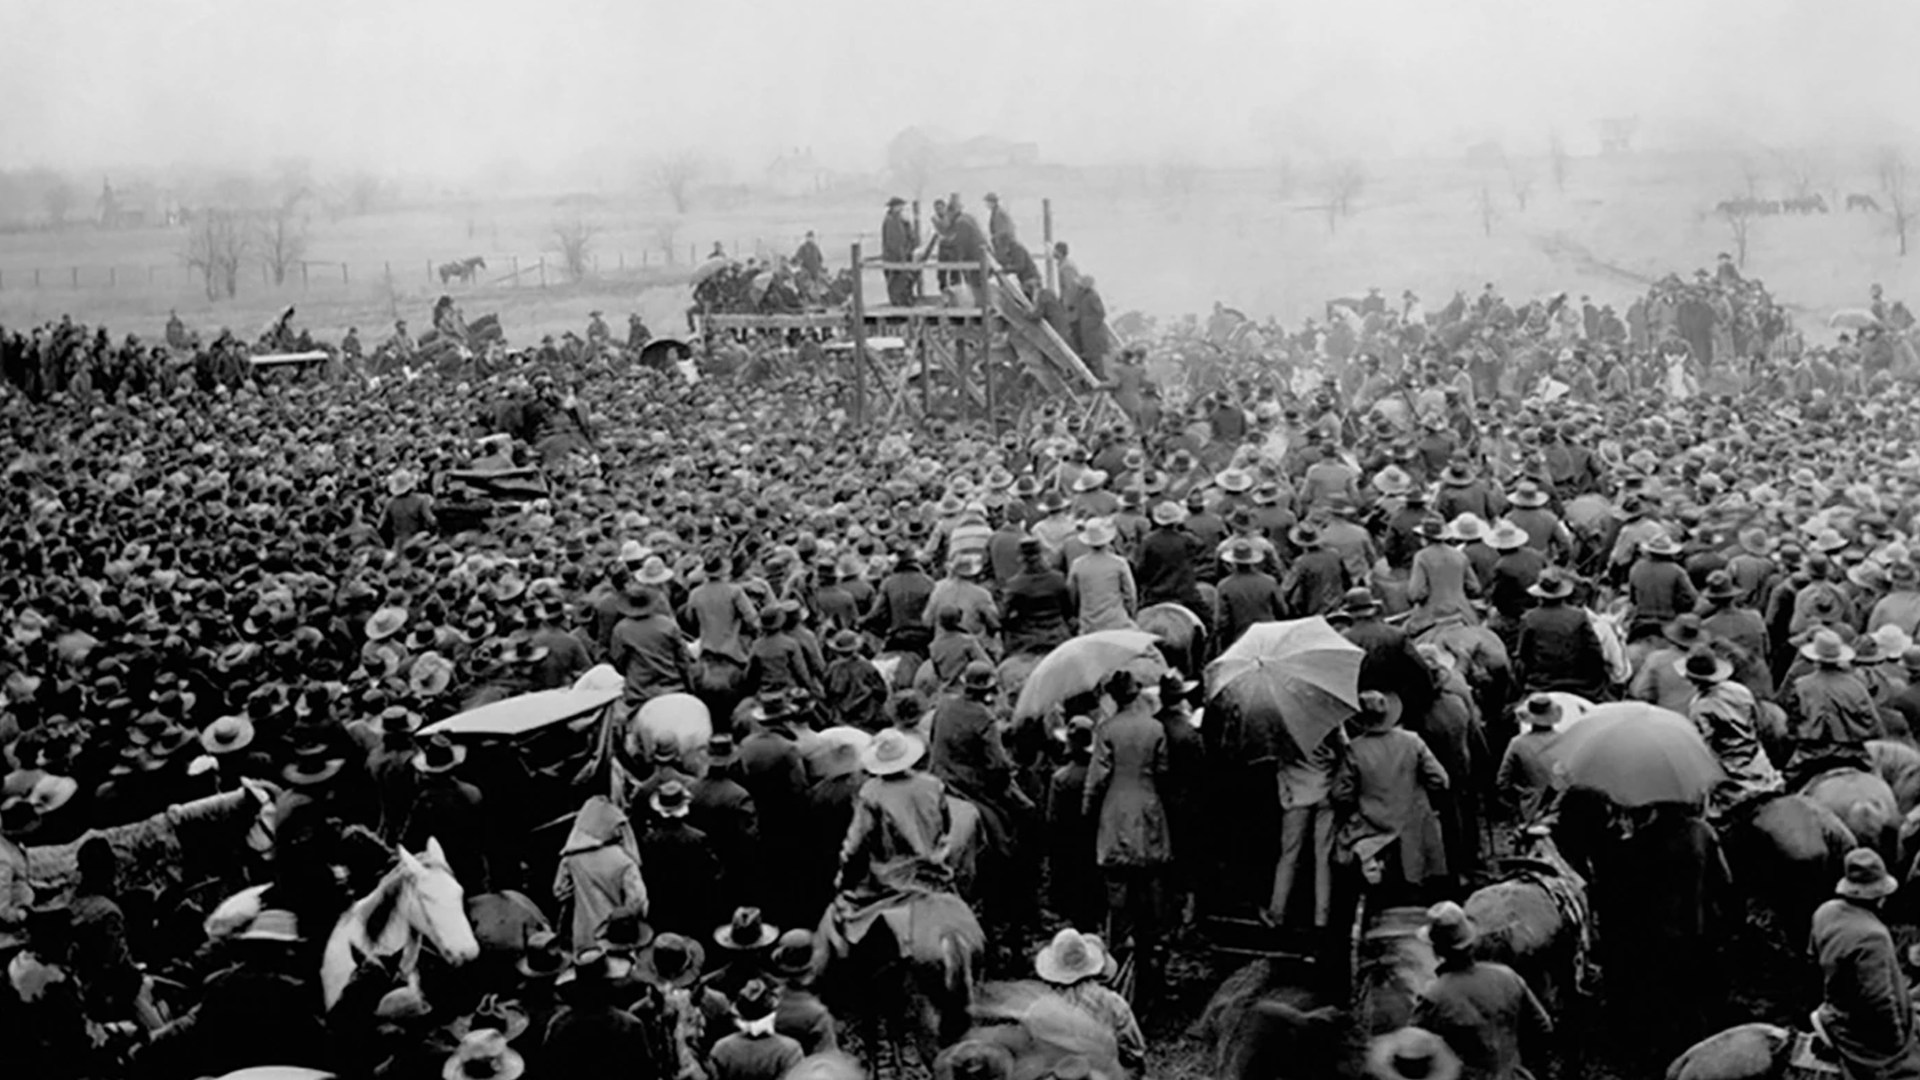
<point>135,206</point>
<point>990,152</point>
<point>795,174</point>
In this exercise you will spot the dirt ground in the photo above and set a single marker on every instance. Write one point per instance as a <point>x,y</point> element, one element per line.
<point>1167,244</point>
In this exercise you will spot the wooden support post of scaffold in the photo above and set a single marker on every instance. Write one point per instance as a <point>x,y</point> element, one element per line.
<point>1046,241</point>
<point>918,282</point>
<point>859,323</point>
<point>986,347</point>
<point>926,373</point>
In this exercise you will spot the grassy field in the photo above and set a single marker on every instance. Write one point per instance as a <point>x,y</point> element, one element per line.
<point>1167,241</point>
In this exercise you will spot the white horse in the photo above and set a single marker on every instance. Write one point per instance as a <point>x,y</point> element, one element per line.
<point>417,902</point>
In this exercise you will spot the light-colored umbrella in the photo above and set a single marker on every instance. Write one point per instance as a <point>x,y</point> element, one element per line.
<point>1302,672</point>
<point>1635,754</point>
<point>1852,319</point>
<point>527,712</point>
<point>1081,664</point>
<point>709,268</point>
<point>278,1072</point>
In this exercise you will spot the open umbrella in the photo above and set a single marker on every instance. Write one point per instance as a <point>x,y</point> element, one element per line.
<point>1852,319</point>
<point>1635,754</point>
<point>1302,671</point>
<point>1081,664</point>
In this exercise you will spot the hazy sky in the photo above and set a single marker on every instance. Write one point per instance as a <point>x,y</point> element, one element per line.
<point>454,86</point>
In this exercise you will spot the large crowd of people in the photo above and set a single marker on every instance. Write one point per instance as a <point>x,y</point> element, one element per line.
<point>221,583</point>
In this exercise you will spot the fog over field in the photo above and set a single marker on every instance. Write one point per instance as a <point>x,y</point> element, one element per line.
<point>454,89</point>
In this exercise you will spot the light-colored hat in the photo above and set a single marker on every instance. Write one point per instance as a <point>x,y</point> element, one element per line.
<point>1237,481</point>
<point>400,482</point>
<point>1090,480</point>
<point>1097,532</point>
<point>1506,536</point>
<point>1542,711</point>
<point>1702,664</point>
<point>1448,929</point>
<point>891,751</point>
<point>385,623</point>
<point>1865,876</point>
<point>484,1055</point>
<point>654,571</point>
<point>1169,513</point>
<point>1392,480</point>
<point>1412,1053</point>
<point>1827,648</point>
<point>227,734</point>
<point>1467,528</point>
<point>1071,957</point>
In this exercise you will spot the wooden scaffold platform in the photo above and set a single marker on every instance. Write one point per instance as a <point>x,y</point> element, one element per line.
<point>970,357</point>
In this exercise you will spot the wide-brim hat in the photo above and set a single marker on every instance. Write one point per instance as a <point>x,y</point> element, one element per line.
<point>891,751</point>
<point>440,754</point>
<point>400,482</point>
<point>227,734</point>
<point>1457,475</point>
<point>1720,586</point>
<point>672,960</point>
<point>1237,481</point>
<point>1449,928</point>
<point>1097,532</point>
<point>50,793</point>
<point>544,957</point>
<point>1412,1053</point>
<point>1551,587</point>
<point>430,675</point>
<point>1304,535</point>
<point>1071,957</point>
<point>1431,529</point>
<point>1241,552</point>
<point>1865,876</point>
<point>1702,665</point>
<point>1359,601</point>
<point>484,1055</point>
<point>1506,536</point>
<point>385,623</point>
<point>1685,630</point>
<point>746,931</point>
<point>1825,647</point>
<point>1659,546</point>
<point>1528,495</point>
<point>1090,480</point>
<point>1392,481</point>
<point>1168,513</point>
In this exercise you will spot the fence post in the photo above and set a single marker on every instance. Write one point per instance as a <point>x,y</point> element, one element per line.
<point>36,277</point>
<point>343,273</point>
<point>76,278</point>
<point>516,270</point>
<point>303,275</point>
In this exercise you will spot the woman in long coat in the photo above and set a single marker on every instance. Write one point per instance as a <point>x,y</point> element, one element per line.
<point>1383,793</point>
<point>599,871</point>
<point>1133,844</point>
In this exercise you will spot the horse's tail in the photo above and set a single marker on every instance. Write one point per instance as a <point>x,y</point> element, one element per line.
<point>956,958</point>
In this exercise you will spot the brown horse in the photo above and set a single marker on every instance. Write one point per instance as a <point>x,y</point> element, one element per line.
<point>1264,1025</point>
<point>1533,919</point>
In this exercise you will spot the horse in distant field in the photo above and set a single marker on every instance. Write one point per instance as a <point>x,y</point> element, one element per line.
<point>462,270</point>
<point>1858,201</point>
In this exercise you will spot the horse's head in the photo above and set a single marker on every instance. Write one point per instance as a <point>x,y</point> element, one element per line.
<point>434,904</point>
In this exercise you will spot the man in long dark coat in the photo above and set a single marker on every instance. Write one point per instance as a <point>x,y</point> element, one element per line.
<point>896,245</point>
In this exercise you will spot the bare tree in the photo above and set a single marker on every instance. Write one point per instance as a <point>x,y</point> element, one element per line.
<point>1559,160</point>
<point>573,241</point>
<point>667,235</point>
<point>1738,214</point>
<point>1896,183</point>
<point>1489,211</point>
<point>1345,180</point>
<point>675,177</point>
<point>1521,181</point>
<point>1750,175</point>
<point>1800,171</point>
<point>913,159</point>
<point>280,240</point>
<point>59,201</point>
<point>216,244</point>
